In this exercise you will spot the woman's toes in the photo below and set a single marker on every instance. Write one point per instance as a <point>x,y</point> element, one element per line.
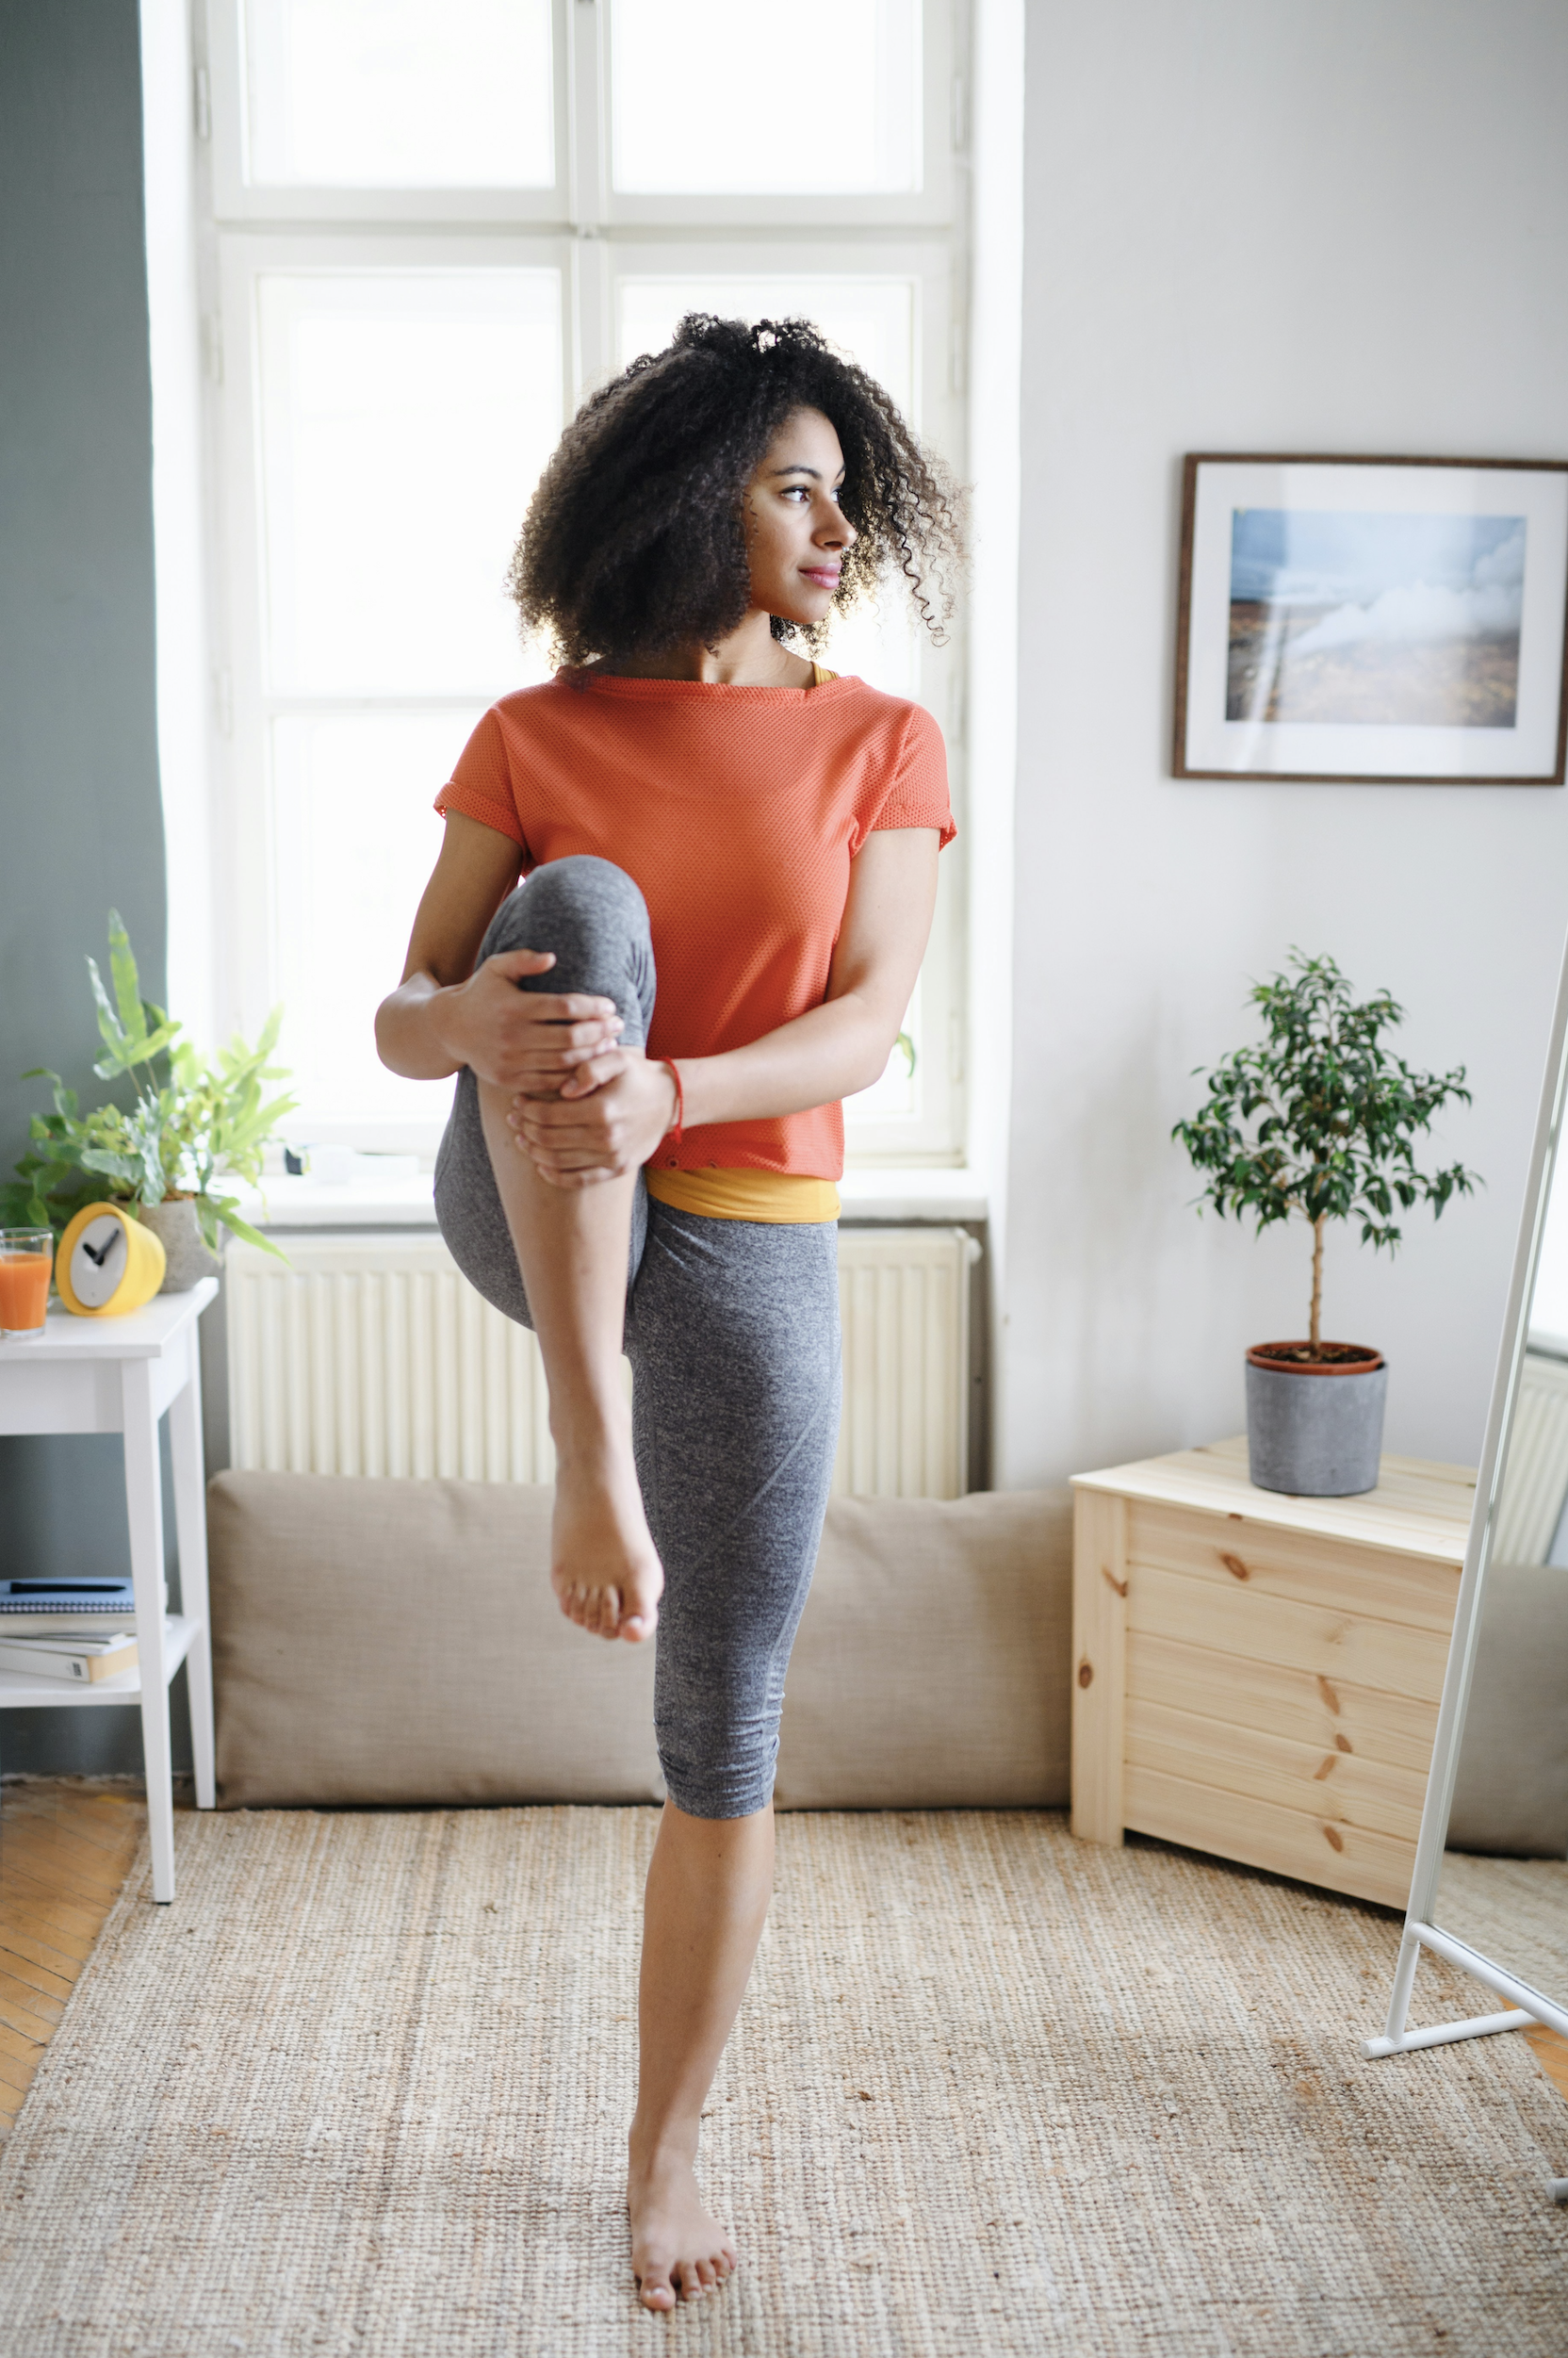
<point>655,2291</point>
<point>707,2274</point>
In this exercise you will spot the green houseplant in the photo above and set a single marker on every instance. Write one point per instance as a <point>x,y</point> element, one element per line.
<point>190,1125</point>
<point>1318,1121</point>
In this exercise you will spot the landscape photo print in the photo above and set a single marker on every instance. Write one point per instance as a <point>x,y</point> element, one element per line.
<point>1371,620</point>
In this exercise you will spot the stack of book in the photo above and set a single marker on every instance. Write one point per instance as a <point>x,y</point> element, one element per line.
<point>80,1656</point>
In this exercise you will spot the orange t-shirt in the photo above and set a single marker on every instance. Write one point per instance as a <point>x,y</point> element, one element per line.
<point>737,812</point>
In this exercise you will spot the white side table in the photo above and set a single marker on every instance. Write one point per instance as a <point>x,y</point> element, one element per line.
<point>118,1375</point>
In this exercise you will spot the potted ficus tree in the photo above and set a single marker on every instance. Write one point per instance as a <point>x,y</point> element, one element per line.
<point>190,1125</point>
<point>1318,1121</point>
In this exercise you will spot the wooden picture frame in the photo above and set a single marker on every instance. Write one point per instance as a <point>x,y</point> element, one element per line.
<point>1399,621</point>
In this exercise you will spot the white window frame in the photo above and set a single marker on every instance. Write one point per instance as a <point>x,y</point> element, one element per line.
<point>596,239</point>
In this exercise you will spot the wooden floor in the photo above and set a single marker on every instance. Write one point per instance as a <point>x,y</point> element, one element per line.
<point>1551,2052</point>
<point>66,1848</point>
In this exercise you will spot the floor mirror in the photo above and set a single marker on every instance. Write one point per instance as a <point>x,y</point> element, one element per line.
<point>1489,1887</point>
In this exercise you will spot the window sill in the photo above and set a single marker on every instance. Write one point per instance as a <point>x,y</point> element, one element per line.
<point>285,1204</point>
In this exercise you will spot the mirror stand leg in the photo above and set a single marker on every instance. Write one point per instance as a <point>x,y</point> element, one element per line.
<point>1397,2040</point>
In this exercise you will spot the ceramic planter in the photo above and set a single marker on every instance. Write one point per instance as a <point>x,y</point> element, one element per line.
<point>175,1223</point>
<point>1315,1428</point>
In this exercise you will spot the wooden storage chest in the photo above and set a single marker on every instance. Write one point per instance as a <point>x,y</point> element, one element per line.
<point>1258,1675</point>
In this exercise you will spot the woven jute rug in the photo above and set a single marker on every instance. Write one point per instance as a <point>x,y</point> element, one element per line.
<point>1514,1911</point>
<point>362,2089</point>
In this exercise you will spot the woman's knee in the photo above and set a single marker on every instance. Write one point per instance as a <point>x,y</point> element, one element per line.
<point>591,917</point>
<point>581,900</point>
<point>716,1771</point>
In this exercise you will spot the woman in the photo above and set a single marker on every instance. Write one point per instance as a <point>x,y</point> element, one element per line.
<point>731,863</point>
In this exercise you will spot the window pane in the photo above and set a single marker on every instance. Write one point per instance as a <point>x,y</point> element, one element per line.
<point>725,96</point>
<point>399,93</point>
<point>871,320</point>
<point>354,841</point>
<point>405,418</point>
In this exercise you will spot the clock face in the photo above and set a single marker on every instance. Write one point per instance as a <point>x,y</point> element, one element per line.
<point>98,1261</point>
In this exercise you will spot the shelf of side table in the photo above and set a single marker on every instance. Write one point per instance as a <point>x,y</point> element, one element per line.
<point>124,1375</point>
<point>22,1688</point>
<point>1258,1675</point>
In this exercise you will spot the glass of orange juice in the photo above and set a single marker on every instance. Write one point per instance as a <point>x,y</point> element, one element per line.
<point>27,1256</point>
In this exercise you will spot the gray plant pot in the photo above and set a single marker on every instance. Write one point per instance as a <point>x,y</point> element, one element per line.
<point>1316,1432</point>
<point>175,1225</point>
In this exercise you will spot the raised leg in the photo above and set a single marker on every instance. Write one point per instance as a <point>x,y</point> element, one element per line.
<point>709,1884</point>
<point>144,1509</point>
<point>190,1529</point>
<point>572,1248</point>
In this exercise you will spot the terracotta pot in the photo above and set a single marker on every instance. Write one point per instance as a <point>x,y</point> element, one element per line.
<point>175,1223</point>
<point>1315,1427</point>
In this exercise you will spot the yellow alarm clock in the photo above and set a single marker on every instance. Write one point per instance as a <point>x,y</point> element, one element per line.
<point>107,1263</point>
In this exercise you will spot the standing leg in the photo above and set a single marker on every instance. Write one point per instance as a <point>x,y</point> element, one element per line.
<point>190,1529</point>
<point>735,1337</point>
<point>144,1508</point>
<point>710,1880</point>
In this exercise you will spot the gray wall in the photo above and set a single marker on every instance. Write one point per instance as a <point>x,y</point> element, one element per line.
<point>1254,225</point>
<point>79,801</point>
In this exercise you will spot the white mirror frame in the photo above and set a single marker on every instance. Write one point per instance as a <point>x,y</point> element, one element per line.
<point>1525,2005</point>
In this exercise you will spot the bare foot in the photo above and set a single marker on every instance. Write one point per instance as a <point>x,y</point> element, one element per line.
<point>679,2251</point>
<point>604,1567</point>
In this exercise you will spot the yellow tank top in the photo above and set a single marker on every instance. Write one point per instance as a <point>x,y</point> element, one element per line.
<point>780,1199</point>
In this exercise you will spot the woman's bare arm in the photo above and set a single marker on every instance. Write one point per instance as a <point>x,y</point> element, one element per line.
<point>445,1013</point>
<point>615,1109</point>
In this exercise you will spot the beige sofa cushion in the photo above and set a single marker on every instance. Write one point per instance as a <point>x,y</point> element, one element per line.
<point>398,1641</point>
<point>386,1642</point>
<point>933,1668</point>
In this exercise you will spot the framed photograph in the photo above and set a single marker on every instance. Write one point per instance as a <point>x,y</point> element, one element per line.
<point>1369,618</point>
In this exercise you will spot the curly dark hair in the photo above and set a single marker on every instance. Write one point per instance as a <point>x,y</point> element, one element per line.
<point>634,541</point>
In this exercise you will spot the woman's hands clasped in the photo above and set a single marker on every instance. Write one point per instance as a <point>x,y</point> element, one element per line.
<point>605,1121</point>
<point>583,1109</point>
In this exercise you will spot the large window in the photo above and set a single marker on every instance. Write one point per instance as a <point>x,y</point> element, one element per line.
<point>437,224</point>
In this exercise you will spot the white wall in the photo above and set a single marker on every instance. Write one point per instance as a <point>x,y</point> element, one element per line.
<point>1251,224</point>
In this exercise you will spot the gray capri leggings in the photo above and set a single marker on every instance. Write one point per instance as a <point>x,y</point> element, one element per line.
<point>732,1331</point>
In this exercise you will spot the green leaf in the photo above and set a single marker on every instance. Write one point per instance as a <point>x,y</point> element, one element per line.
<point>1320,1119</point>
<point>223,1206</point>
<point>127,982</point>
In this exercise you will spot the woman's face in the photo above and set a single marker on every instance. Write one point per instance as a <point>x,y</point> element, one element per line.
<point>797,535</point>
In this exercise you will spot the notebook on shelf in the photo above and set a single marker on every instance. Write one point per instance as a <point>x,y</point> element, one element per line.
<point>48,1604</point>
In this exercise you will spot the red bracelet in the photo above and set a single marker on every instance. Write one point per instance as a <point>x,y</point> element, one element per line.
<point>678,1125</point>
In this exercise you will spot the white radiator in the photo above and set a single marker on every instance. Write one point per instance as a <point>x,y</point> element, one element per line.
<point>371,1354</point>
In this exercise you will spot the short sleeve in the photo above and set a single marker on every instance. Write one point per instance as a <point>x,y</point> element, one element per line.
<point>916,792</point>
<point>481,785</point>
